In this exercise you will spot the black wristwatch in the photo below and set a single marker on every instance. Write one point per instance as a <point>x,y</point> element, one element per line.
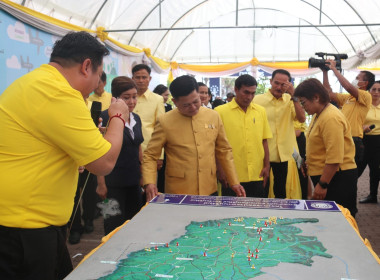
<point>323,185</point>
<point>295,99</point>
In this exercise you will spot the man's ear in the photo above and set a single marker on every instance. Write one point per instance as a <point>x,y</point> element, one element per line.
<point>86,67</point>
<point>174,101</point>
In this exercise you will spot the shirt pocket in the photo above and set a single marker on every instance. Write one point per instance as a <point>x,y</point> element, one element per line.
<point>174,172</point>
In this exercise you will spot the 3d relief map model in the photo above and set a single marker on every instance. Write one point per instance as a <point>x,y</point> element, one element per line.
<point>224,249</point>
<point>193,237</point>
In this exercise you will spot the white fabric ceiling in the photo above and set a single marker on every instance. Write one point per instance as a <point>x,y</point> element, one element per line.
<point>332,26</point>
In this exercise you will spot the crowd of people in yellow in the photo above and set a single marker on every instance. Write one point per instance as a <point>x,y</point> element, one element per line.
<point>253,145</point>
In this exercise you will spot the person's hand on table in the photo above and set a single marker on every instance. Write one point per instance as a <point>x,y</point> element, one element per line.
<point>239,190</point>
<point>150,191</point>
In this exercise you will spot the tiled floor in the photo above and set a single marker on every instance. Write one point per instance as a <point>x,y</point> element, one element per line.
<point>368,219</point>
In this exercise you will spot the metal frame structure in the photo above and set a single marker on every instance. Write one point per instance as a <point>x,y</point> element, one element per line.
<point>254,27</point>
<point>208,24</point>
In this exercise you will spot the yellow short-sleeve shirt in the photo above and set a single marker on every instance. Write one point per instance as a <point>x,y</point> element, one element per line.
<point>46,134</point>
<point>355,110</point>
<point>329,141</point>
<point>149,107</point>
<point>245,132</point>
<point>281,114</point>
<point>373,117</point>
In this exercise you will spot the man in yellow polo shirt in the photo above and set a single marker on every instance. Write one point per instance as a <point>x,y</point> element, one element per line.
<point>354,105</point>
<point>149,105</point>
<point>247,131</point>
<point>100,94</point>
<point>282,109</point>
<point>46,134</point>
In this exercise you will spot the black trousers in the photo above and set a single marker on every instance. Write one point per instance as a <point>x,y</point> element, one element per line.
<point>129,201</point>
<point>342,189</point>
<point>280,173</point>
<point>372,158</point>
<point>89,200</point>
<point>359,150</point>
<point>161,177</point>
<point>252,189</point>
<point>34,253</point>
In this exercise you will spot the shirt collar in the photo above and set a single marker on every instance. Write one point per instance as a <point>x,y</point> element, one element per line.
<point>234,105</point>
<point>272,97</point>
<point>207,106</point>
<point>131,123</point>
<point>146,94</point>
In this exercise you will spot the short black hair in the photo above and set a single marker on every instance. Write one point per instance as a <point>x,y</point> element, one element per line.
<point>376,82</point>
<point>217,102</point>
<point>370,78</point>
<point>281,71</point>
<point>121,84</point>
<point>183,86</point>
<point>103,77</point>
<point>230,94</point>
<point>245,80</point>
<point>160,89</point>
<point>200,84</point>
<point>311,87</point>
<point>139,67</point>
<point>76,47</point>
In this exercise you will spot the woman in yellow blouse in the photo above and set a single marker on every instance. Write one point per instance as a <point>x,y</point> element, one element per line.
<point>371,142</point>
<point>330,150</point>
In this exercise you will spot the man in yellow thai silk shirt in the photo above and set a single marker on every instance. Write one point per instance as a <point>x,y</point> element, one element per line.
<point>192,137</point>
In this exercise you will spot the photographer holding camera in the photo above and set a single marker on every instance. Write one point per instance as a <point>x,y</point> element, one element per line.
<point>354,105</point>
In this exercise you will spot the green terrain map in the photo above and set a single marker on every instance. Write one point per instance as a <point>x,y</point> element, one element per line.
<point>234,248</point>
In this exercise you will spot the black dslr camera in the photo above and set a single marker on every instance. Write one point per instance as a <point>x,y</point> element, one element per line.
<point>321,62</point>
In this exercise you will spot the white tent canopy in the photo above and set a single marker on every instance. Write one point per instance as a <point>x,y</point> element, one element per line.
<point>217,31</point>
<point>199,36</point>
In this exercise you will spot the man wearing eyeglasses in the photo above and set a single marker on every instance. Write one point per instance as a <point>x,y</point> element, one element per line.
<point>193,136</point>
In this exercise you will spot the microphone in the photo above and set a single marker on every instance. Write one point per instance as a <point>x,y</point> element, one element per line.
<point>96,109</point>
<point>297,157</point>
<point>372,126</point>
